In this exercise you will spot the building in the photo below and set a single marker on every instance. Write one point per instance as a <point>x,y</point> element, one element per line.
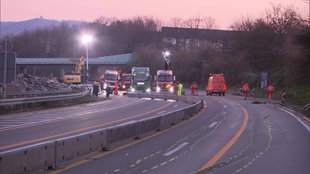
<point>188,38</point>
<point>57,67</point>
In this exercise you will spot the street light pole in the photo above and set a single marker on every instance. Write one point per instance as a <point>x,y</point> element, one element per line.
<point>86,40</point>
<point>86,61</point>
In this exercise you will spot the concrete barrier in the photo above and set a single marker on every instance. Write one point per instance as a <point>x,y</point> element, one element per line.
<point>122,134</point>
<point>149,125</point>
<point>181,98</point>
<point>73,147</point>
<point>28,159</point>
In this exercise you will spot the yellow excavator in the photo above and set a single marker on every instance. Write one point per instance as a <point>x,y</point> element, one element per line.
<point>75,77</point>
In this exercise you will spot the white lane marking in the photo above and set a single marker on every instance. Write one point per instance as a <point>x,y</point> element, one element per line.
<point>93,104</point>
<point>212,124</point>
<point>181,146</point>
<point>222,104</point>
<point>161,112</point>
<point>298,119</point>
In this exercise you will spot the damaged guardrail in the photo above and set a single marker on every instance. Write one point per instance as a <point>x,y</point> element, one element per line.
<point>52,154</point>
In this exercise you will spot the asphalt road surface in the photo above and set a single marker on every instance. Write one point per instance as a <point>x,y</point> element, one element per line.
<point>230,135</point>
<point>23,129</point>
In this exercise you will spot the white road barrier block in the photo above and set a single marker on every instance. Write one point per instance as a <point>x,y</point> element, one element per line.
<point>28,159</point>
<point>149,125</point>
<point>122,134</point>
<point>73,147</point>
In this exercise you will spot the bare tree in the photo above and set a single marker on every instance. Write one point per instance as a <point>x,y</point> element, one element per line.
<point>176,22</point>
<point>208,23</point>
<point>245,24</point>
<point>193,22</point>
<point>282,19</point>
<point>106,21</point>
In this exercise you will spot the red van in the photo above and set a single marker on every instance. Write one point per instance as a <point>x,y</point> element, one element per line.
<point>216,85</point>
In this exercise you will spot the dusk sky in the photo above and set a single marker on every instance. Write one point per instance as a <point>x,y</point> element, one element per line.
<point>225,12</point>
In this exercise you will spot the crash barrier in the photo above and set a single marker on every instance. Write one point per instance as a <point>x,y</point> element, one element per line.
<point>6,105</point>
<point>14,101</point>
<point>168,96</point>
<point>32,94</point>
<point>53,154</point>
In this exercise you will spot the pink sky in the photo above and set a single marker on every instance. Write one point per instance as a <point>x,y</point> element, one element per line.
<point>225,12</point>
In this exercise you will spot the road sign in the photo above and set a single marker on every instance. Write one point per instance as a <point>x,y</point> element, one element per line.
<point>264,80</point>
<point>6,46</point>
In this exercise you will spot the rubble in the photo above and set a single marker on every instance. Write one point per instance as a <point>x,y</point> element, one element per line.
<point>28,83</point>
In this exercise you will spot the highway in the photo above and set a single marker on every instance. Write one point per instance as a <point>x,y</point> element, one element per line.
<point>27,128</point>
<point>230,135</point>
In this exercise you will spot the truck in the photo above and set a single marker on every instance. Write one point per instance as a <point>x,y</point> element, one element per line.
<point>216,85</point>
<point>125,81</point>
<point>110,78</point>
<point>75,77</point>
<point>141,80</point>
<point>164,80</point>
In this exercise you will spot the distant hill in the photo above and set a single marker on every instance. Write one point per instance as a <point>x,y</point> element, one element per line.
<point>16,28</point>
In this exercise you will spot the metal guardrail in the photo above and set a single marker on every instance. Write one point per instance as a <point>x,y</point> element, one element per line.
<point>32,94</point>
<point>52,154</point>
<point>15,101</point>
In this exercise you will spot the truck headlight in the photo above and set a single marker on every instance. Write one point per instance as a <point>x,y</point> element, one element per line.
<point>157,89</point>
<point>148,90</point>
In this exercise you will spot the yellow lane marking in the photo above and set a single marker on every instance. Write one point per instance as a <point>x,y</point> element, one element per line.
<point>80,130</point>
<point>230,143</point>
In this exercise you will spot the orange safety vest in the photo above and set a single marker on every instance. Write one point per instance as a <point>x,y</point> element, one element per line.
<point>270,88</point>
<point>246,87</point>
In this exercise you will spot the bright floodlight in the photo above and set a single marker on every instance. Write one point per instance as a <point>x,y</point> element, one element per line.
<point>166,53</point>
<point>86,39</point>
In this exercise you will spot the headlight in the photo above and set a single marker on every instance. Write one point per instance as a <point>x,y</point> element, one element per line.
<point>171,89</point>
<point>132,89</point>
<point>105,86</point>
<point>148,90</point>
<point>157,89</point>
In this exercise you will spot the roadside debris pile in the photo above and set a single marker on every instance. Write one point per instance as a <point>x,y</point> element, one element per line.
<point>25,82</point>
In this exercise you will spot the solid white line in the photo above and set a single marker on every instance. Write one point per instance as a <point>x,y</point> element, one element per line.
<point>213,124</point>
<point>181,146</point>
<point>161,112</point>
<point>298,119</point>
